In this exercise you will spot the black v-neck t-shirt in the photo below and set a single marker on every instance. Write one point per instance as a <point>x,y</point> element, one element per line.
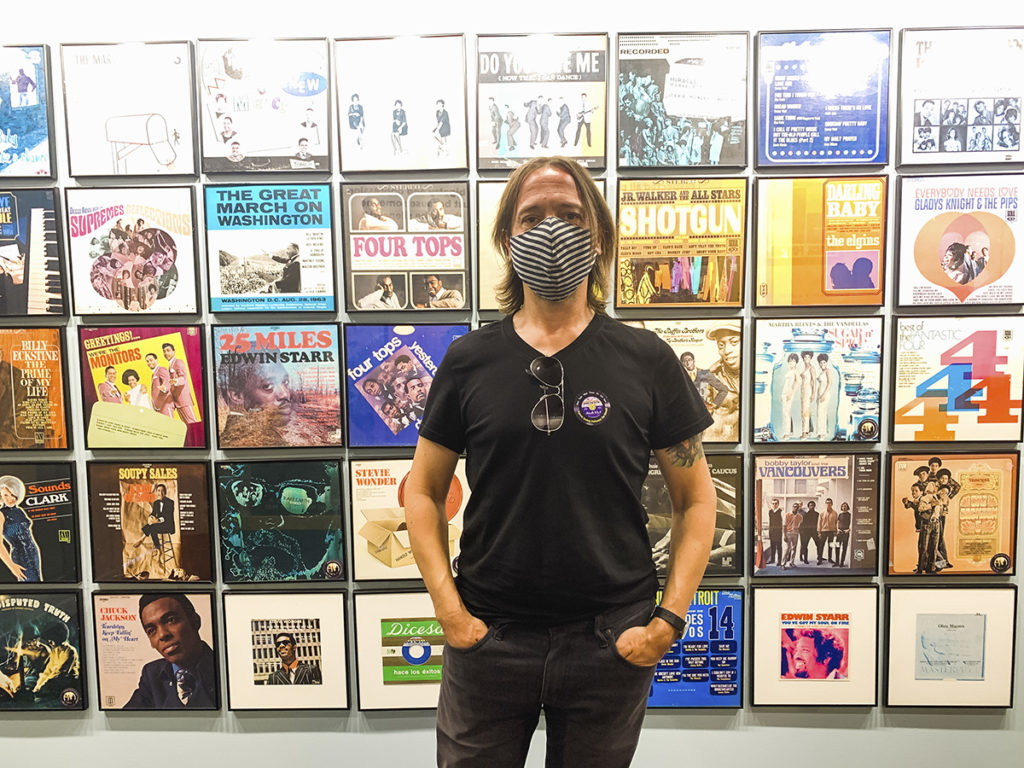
<point>554,530</point>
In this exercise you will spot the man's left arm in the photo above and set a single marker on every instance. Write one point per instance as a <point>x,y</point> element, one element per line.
<point>694,507</point>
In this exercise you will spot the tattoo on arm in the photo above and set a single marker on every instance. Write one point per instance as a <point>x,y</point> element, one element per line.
<point>686,453</point>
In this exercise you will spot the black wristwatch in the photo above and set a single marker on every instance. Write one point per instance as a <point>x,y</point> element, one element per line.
<point>677,623</point>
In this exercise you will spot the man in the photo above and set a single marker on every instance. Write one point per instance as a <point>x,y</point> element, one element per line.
<point>435,218</point>
<point>417,393</point>
<point>564,118</point>
<point>108,391</point>
<point>290,280</point>
<point>809,532</point>
<point>310,128</point>
<point>712,391</point>
<point>399,127</point>
<point>303,152</point>
<point>383,296</point>
<point>236,155</point>
<point>494,113</point>
<point>181,395</point>
<point>828,527</point>
<point>532,114</point>
<point>727,338</point>
<point>373,216</point>
<point>774,534</point>
<point>443,128</point>
<point>23,82</point>
<point>356,121</point>
<point>161,516</point>
<point>927,113</point>
<point>254,390</point>
<point>292,671</point>
<point>186,675</point>
<point>439,297</point>
<point>545,122</point>
<point>160,386</point>
<point>552,606</point>
<point>583,117</point>
<point>815,654</point>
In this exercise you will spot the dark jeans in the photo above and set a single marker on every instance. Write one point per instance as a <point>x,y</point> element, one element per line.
<point>774,546</point>
<point>843,539</point>
<point>593,700</point>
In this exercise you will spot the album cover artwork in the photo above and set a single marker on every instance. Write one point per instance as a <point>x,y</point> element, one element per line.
<point>817,379</point>
<point>402,103</point>
<point>953,513</point>
<point>823,97</point>
<point>150,522</point>
<point>277,385</point>
<point>32,278</point>
<point>26,114</point>
<point>132,250</point>
<point>406,245</point>
<point>41,652</point>
<point>129,108</point>
<point>390,369</point>
<point>269,248</point>
<point>380,539</point>
<point>39,521</point>
<point>143,386</point>
<point>540,95</point>
<point>264,105</point>
<point>816,515</point>
<point>155,651</point>
<point>33,406</point>
<point>682,242</point>
<point>682,100</point>
<point>959,240</point>
<point>726,558</point>
<point>821,241</point>
<point>950,113</point>
<point>704,668</point>
<point>280,521</point>
<point>958,378</point>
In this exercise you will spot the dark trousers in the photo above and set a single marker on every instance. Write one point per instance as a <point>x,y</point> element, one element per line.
<point>927,545</point>
<point>579,127</point>
<point>593,700</point>
<point>807,535</point>
<point>775,546</point>
<point>842,540</point>
<point>825,539</point>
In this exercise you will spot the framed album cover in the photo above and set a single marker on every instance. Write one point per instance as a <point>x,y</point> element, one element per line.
<point>488,265</point>
<point>142,387</point>
<point>277,385</point>
<point>823,97</point>
<point>264,105</point>
<point>286,650</point>
<point>953,513</point>
<point>709,351</point>
<point>726,558</point>
<point>816,515</point>
<point>406,245</point>
<point>817,380</point>
<point>951,114</point>
<point>32,281</point>
<point>270,248</point>
<point>958,378</point>
<point>682,99</point>
<point>682,242</point>
<point>155,650</point>
<point>133,250</point>
<point>821,241</point>
<point>389,369</point>
<point>552,87</point>
<point>380,540</point>
<point>815,646</point>
<point>280,521</point>
<point>399,650</point>
<point>950,646</point>
<point>704,668</point>
<point>149,132</point>
<point>150,522</point>
<point>26,115</point>
<point>33,390</point>
<point>41,654</point>
<point>39,518</point>
<point>958,240</point>
<point>402,103</point>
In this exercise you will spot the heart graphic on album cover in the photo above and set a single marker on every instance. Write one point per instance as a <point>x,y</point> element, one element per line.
<point>963,252</point>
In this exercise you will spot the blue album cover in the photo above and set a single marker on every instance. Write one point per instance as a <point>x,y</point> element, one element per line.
<point>389,370</point>
<point>823,97</point>
<point>705,667</point>
<point>269,248</point>
<point>24,112</point>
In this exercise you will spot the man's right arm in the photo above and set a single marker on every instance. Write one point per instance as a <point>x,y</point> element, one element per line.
<point>425,494</point>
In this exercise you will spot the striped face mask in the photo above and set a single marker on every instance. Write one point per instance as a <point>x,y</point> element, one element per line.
<point>553,258</point>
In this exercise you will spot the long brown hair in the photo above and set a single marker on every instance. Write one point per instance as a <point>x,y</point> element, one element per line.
<point>509,290</point>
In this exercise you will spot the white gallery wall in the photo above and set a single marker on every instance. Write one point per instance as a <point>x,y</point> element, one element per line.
<point>763,737</point>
